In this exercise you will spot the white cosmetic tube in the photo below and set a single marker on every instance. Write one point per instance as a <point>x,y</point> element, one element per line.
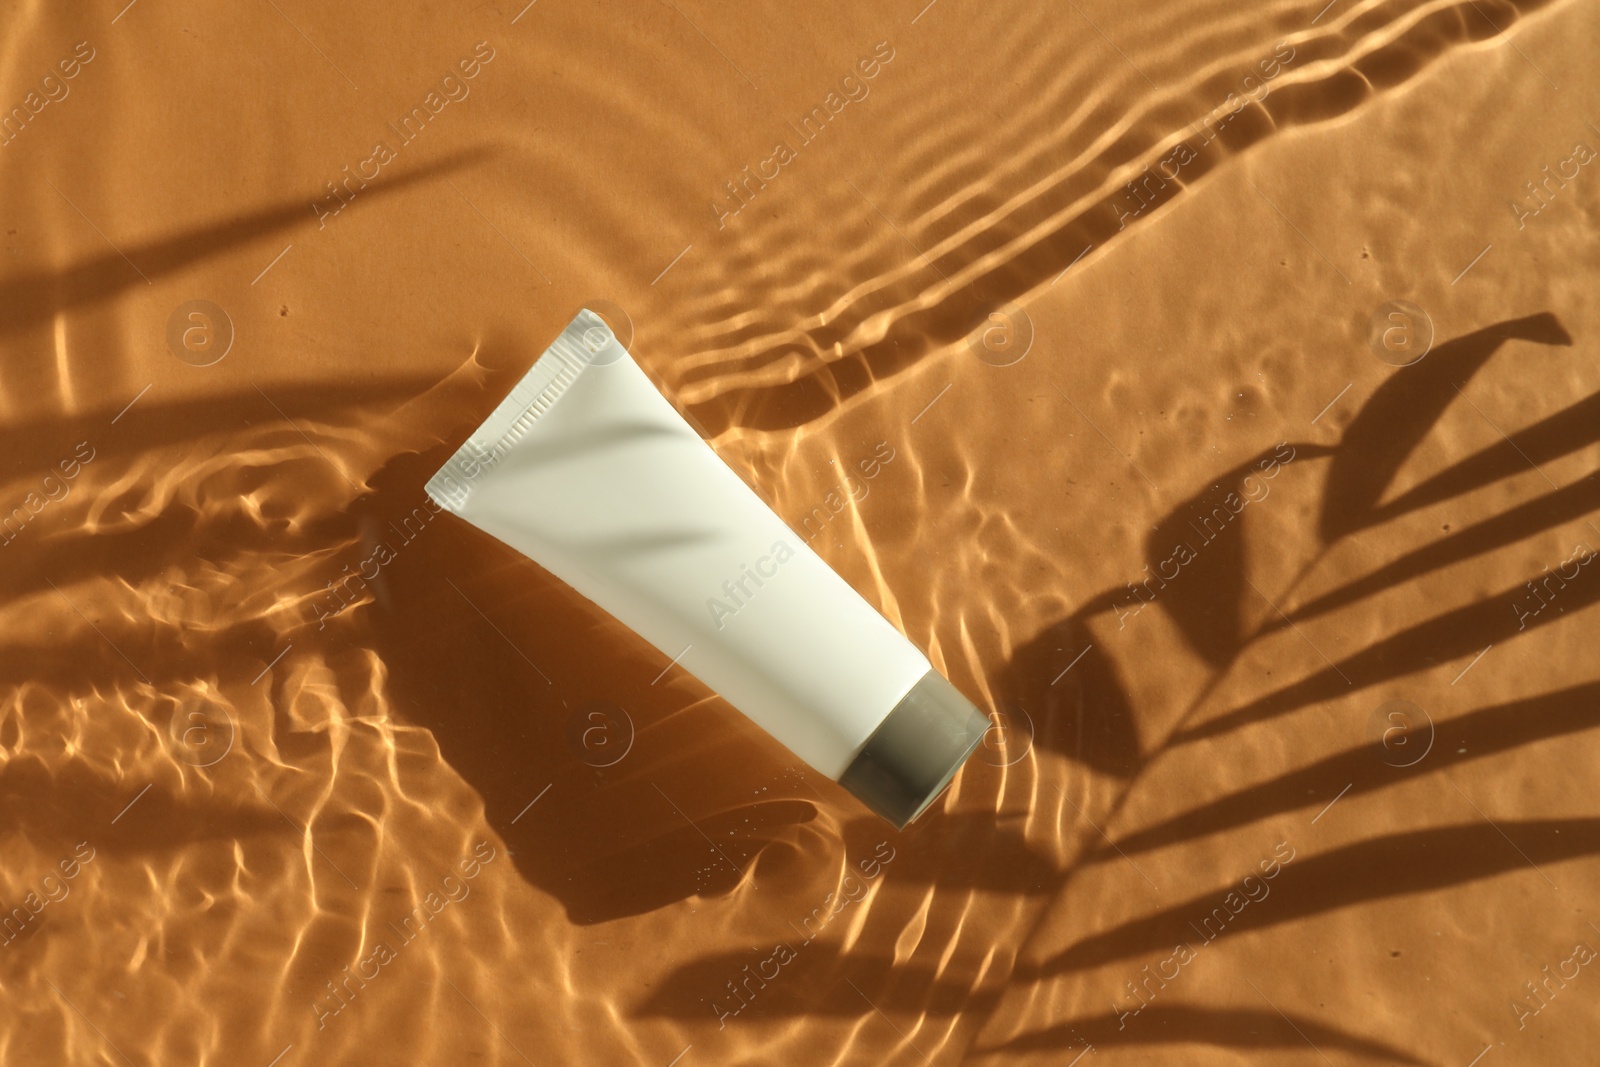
<point>588,470</point>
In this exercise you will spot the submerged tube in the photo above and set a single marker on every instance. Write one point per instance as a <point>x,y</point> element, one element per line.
<point>588,470</point>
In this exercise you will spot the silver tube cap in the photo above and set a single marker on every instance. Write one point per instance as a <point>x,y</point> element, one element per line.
<point>916,750</point>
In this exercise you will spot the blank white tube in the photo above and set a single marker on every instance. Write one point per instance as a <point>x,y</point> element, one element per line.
<point>589,471</point>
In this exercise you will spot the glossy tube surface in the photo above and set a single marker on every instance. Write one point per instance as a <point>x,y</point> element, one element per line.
<point>588,470</point>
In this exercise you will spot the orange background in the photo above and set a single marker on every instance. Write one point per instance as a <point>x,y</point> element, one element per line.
<point>978,263</point>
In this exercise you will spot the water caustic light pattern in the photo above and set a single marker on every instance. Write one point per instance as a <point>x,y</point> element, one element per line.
<point>1210,390</point>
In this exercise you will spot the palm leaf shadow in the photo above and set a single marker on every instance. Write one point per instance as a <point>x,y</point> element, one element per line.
<point>1075,698</point>
<point>1393,865</point>
<point>1402,412</point>
<point>1550,438</point>
<point>1364,465</point>
<point>1365,462</point>
<point>1483,733</point>
<point>1545,512</point>
<point>29,298</point>
<point>1195,557</point>
<point>1241,1029</point>
<point>1448,636</point>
